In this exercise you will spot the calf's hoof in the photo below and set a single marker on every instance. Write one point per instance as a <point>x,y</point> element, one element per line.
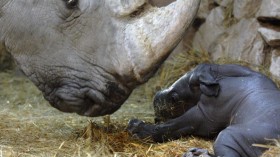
<point>197,152</point>
<point>140,130</point>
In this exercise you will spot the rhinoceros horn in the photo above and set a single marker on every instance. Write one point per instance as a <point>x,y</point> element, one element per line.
<point>150,39</point>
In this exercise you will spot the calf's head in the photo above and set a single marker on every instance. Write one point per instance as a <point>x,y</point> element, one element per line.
<point>86,56</point>
<point>176,99</point>
<point>185,93</point>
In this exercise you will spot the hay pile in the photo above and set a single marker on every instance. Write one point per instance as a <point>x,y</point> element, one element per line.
<point>30,127</point>
<point>118,142</point>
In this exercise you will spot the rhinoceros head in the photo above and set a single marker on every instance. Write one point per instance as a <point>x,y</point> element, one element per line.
<point>86,56</point>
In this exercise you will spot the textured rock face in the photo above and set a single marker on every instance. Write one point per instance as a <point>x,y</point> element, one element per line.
<point>240,42</point>
<point>210,30</point>
<point>245,9</point>
<point>270,9</point>
<point>223,3</point>
<point>270,36</point>
<point>247,30</point>
<point>160,3</point>
<point>275,63</point>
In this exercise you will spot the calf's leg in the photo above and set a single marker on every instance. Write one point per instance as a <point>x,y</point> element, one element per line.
<point>192,122</point>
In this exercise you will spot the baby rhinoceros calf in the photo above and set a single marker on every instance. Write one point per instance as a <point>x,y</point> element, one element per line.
<point>239,106</point>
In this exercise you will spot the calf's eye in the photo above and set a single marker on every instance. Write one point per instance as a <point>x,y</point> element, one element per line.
<point>174,97</point>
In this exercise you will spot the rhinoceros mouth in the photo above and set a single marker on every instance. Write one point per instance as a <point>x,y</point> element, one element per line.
<point>88,101</point>
<point>116,94</point>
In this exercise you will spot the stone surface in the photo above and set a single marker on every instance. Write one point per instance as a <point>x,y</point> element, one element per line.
<point>240,42</point>
<point>224,3</point>
<point>275,63</point>
<point>253,33</point>
<point>240,30</point>
<point>271,37</point>
<point>160,3</point>
<point>210,30</point>
<point>269,9</point>
<point>245,8</point>
<point>204,8</point>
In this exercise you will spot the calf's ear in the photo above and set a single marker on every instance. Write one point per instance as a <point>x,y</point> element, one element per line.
<point>204,76</point>
<point>210,90</point>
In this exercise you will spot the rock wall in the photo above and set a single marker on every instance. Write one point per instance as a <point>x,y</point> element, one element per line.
<point>247,30</point>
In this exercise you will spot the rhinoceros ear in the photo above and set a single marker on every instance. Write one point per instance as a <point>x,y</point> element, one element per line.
<point>122,8</point>
<point>203,76</point>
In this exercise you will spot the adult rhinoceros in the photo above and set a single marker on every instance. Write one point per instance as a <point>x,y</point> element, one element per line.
<point>86,56</point>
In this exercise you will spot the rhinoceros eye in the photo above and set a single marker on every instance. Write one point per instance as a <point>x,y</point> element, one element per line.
<point>71,4</point>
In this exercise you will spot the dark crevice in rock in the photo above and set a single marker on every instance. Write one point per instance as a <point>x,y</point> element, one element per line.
<point>198,22</point>
<point>267,55</point>
<point>269,22</point>
<point>138,11</point>
<point>213,5</point>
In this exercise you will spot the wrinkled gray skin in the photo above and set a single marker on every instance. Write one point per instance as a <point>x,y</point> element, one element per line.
<point>239,105</point>
<point>86,56</point>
